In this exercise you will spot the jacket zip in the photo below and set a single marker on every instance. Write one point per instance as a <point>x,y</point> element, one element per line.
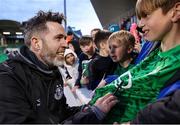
<point>48,94</point>
<point>50,119</point>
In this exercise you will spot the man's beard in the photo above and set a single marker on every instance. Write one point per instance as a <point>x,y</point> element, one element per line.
<point>51,58</point>
<point>52,61</point>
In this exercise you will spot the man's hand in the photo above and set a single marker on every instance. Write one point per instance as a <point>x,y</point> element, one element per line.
<point>106,102</point>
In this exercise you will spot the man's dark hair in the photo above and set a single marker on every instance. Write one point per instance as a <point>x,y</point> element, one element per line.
<point>101,36</point>
<point>37,24</point>
<point>85,40</point>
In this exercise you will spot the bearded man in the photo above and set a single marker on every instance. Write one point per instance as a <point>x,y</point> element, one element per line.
<point>31,87</point>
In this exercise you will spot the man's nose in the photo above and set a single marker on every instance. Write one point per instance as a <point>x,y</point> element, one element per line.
<point>64,44</point>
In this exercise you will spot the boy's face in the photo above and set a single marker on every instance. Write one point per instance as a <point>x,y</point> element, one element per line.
<point>88,49</point>
<point>156,25</point>
<point>118,51</point>
<point>70,59</point>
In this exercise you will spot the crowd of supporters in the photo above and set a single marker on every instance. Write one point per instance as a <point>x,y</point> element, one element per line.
<point>139,68</point>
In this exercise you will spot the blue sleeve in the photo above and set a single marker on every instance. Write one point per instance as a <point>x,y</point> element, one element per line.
<point>110,78</point>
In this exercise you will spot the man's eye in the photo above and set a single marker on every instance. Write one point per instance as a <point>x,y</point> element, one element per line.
<point>114,47</point>
<point>58,38</point>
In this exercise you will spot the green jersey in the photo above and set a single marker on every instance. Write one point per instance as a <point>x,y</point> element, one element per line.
<point>120,70</point>
<point>141,84</point>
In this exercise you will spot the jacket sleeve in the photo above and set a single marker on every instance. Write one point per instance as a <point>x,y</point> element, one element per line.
<point>93,81</point>
<point>87,115</point>
<point>14,107</point>
<point>166,110</point>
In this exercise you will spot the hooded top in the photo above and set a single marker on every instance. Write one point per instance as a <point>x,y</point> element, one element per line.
<point>70,73</point>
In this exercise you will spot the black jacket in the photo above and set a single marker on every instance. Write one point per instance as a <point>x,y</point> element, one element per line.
<point>30,92</point>
<point>99,68</point>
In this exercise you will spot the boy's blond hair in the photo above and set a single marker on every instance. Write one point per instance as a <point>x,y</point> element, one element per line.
<point>124,37</point>
<point>144,7</point>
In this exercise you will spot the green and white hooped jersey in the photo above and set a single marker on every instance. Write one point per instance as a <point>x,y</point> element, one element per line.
<point>141,85</point>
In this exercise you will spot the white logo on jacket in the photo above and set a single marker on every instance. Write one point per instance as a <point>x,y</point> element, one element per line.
<point>38,102</point>
<point>59,92</point>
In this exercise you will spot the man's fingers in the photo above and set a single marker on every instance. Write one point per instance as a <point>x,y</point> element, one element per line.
<point>106,96</point>
<point>110,98</point>
<point>112,103</point>
<point>116,123</point>
<point>106,102</point>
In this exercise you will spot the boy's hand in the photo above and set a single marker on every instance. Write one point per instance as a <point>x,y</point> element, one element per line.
<point>137,47</point>
<point>84,80</point>
<point>74,89</point>
<point>101,84</point>
<point>106,102</point>
<point>65,84</point>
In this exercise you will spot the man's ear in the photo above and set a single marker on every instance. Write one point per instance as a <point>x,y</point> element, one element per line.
<point>176,12</point>
<point>36,44</point>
